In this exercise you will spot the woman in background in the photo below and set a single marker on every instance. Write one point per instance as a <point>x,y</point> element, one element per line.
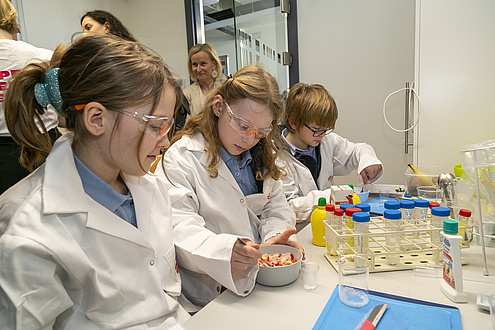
<point>15,55</point>
<point>205,70</point>
<point>100,21</point>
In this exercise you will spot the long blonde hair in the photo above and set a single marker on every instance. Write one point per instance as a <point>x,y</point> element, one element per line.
<point>254,83</point>
<point>8,17</point>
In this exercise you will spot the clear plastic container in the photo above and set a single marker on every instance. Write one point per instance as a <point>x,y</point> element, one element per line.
<point>438,215</point>
<point>421,210</point>
<point>465,220</point>
<point>330,209</point>
<point>393,225</point>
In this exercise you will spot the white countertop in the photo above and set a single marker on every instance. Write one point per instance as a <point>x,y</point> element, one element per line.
<point>295,308</point>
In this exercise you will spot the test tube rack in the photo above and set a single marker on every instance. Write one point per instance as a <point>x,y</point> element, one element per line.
<point>416,248</point>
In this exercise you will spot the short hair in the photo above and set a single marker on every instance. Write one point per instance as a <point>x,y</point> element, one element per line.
<point>116,27</point>
<point>208,49</point>
<point>8,17</point>
<point>308,104</point>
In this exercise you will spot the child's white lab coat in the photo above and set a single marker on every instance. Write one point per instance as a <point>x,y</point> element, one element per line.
<point>339,157</point>
<point>68,262</point>
<point>219,205</point>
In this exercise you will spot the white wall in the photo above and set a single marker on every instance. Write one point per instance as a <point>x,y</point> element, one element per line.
<point>159,24</point>
<point>456,55</point>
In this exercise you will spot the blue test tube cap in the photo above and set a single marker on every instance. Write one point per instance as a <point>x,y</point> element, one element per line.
<point>345,206</point>
<point>365,207</point>
<point>392,214</point>
<point>392,205</point>
<point>440,211</point>
<point>422,203</point>
<point>408,205</point>
<point>361,217</point>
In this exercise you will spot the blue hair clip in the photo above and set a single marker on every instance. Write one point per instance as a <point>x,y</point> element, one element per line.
<point>48,92</point>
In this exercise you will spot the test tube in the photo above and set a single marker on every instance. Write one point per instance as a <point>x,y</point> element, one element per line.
<point>361,228</point>
<point>350,225</point>
<point>392,240</point>
<point>329,208</point>
<point>345,207</point>
<point>407,210</point>
<point>338,221</point>
<point>438,215</point>
<point>464,217</point>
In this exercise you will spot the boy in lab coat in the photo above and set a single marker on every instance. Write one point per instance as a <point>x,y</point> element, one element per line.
<point>224,178</point>
<point>317,154</point>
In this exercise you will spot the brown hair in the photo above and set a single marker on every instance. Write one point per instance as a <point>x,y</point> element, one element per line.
<point>102,68</point>
<point>8,17</point>
<point>208,49</point>
<point>251,82</point>
<point>308,104</point>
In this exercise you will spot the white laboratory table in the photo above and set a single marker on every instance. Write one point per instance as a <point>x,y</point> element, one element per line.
<point>292,307</point>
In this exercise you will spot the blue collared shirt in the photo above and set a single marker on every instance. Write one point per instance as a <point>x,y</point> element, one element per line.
<point>311,151</point>
<point>101,192</point>
<point>242,172</point>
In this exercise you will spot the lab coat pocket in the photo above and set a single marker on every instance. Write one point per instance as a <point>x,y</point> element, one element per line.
<point>171,276</point>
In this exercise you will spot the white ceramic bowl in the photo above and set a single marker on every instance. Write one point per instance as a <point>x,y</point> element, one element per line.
<point>281,275</point>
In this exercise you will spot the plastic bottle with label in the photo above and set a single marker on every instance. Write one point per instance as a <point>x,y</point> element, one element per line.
<point>451,283</point>
<point>317,226</point>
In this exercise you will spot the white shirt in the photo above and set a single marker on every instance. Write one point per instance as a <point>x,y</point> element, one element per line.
<point>68,262</point>
<point>14,56</point>
<point>339,157</point>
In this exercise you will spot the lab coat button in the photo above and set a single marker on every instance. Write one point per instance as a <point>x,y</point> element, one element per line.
<point>219,288</point>
<point>242,200</point>
<point>152,262</point>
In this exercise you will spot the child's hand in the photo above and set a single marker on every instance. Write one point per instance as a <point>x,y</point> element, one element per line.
<point>244,256</point>
<point>370,172</point>
<point>283,239</point>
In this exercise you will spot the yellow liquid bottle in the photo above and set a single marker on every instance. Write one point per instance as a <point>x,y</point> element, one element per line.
<point>317,226</point>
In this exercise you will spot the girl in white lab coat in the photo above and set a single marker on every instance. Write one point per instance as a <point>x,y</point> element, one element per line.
<point>224,178</point>
<point>87,238</point>
<point>316,154</point>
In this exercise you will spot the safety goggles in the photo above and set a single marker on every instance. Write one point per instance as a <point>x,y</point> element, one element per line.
<point>244,127</point>
<point>158,127</point>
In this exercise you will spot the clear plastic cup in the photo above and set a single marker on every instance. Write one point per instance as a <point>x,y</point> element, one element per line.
<point>353,280</point>
<point>309,273</point>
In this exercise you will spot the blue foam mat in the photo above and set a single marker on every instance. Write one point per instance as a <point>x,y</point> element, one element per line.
<point>401,313</point>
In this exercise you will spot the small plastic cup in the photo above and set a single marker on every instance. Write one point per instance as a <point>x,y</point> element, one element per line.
<point>309,272</point>
<point>430,193</point>
<point>353,280</point>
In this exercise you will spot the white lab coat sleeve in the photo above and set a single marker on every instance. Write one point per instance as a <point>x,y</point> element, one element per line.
<point>27,269</point>
<point>348,156</point>
<point>302,204</point>
<point>199,249</point>
<point>277,216</point>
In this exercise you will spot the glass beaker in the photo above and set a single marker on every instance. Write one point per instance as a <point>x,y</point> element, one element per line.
<point>353,280</point>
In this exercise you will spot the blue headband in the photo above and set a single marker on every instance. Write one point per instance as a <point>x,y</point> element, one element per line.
<point>48,92</point>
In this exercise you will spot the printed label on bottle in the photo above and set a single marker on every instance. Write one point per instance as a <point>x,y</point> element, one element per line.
<point>448,271</point>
